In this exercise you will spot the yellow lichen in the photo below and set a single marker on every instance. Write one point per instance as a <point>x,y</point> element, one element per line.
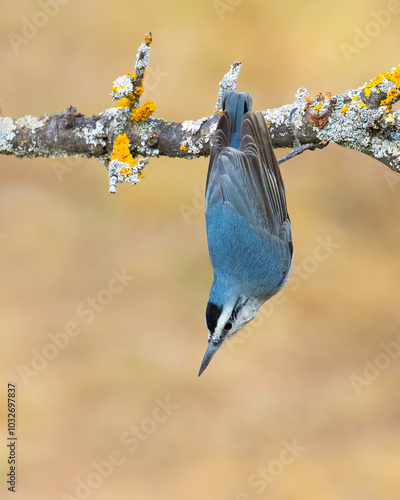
<point>182,148</point>
<point>122,153</point>
<point>317,107</point>
<point>148,38</point>
<point>360,103</point>
<point>344,108</point>
<point>125,171</point>
<point>143,112</point>
<point>392,76</point>
<point>139,90</point>
<point>392,94</point>
<point>126,102</point>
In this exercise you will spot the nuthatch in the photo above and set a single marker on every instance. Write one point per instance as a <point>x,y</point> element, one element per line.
<point>248,228</point>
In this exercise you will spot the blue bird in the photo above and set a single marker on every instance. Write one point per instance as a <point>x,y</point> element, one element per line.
<point>248,228</point>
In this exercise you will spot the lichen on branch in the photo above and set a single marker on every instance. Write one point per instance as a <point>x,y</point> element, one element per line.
<point>361,119</point>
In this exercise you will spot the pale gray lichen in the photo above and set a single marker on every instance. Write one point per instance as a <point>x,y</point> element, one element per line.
<point>192,148</point>
<point>300,100</point>
<point>144,149</point>
<point>301,94</point>
<point>213,128</point>
<point>278,116</point>
<point>32,123</point>
<point>352,123</point>
<point>142,57</point>
<point>122,87</point>
<point>132,173</point>
<point>190,144</point>
<point>228,82</point>
<point>94,136</point>
<point>145,130</point>
<point>117,117</point>
<point>194,126</point>
<point>7,128</point>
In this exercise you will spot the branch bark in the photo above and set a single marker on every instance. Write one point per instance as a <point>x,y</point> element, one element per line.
<point>360,119</point>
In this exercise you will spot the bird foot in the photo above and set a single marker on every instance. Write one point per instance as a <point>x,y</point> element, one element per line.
<point>298,148</point>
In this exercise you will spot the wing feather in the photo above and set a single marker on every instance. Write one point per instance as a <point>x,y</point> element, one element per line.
<point>248,179</point>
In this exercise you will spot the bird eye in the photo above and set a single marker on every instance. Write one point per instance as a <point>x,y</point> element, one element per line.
<point>228,326</point>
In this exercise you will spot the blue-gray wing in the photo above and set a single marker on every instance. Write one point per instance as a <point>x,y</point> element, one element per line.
<point>248,180</point>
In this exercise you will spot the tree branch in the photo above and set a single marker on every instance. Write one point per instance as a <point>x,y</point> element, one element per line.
<point>361,119</point>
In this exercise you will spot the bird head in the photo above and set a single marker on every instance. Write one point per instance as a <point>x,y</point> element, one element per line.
<point>223,321</point>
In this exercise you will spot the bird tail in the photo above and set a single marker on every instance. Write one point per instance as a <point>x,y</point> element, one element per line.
<point>237,104</point>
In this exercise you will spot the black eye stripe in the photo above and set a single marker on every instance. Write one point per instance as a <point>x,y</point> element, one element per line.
<point>239,304</point>
<point>213,313</point>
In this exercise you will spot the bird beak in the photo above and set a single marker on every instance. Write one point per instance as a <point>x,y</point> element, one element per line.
<point>211,350</point>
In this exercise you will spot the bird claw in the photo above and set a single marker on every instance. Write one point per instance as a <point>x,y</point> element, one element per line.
<point>298,148</point>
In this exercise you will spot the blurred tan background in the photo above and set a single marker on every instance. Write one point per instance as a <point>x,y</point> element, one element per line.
<point>305,404</point>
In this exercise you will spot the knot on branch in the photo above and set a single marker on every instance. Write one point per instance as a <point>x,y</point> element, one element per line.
<point>67,118</point>
<point>318,114</point>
